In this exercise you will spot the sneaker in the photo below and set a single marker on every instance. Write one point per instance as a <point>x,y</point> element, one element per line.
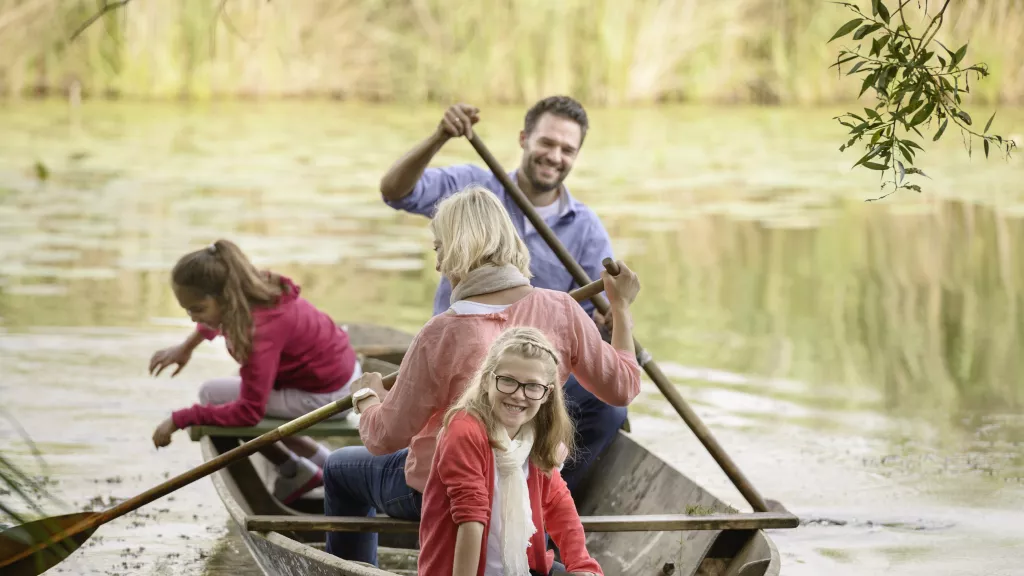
<point>307,477</point>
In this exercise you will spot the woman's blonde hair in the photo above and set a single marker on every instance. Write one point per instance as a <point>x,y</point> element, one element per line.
<point>474,230</point>
<point>223,272</point>
<point>552,425</point>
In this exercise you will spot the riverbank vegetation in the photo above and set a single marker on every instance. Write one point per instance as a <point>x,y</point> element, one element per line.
<point>606,52</point>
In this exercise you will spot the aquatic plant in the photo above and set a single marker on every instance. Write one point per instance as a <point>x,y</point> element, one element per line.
<point>916,80</point>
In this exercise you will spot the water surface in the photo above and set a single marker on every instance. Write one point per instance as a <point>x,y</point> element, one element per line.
<point>858,360</point>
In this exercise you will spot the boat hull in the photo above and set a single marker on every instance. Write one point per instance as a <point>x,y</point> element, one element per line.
<point>627,479</point>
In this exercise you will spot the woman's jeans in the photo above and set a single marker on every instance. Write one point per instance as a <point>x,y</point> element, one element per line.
<point>357,483</point>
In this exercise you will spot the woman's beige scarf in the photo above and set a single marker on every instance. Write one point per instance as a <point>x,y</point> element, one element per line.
<point>487,279</point>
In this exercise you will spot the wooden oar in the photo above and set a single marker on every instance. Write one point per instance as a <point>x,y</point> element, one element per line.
<point>667,389</point>
<point>32,548</point>
<point>629,523</point>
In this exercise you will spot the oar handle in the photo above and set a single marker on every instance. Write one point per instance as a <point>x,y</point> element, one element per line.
<point>667,388</point>
<point>611,266</point>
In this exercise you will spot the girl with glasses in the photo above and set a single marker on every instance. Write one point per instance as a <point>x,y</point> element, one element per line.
<point>494,486</point>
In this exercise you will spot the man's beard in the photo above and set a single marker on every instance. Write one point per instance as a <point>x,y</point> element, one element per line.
<point>539,186</point>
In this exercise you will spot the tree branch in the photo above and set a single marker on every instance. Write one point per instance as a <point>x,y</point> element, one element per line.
<point>106,8</point>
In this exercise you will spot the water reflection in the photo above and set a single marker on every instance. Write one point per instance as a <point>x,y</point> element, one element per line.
<point>872,347</point>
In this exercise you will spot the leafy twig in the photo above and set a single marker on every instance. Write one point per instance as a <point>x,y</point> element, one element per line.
<point>910,90</point>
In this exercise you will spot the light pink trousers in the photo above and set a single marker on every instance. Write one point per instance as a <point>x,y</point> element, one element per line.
<point>288,403</point>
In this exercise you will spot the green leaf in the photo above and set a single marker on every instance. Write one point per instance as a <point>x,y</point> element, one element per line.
<point>941,130</point>
<point>874,152</point>
<point>989,123</point>
<point>941,61</point>
<point>883,12</point>
<point>958,56</point>
<point>868,81</point>
<point>871,113</point>
<point>865,30</point>
<point>876,166</point>
<point>912,144</point>
<point>842,61</point>
<point>965,117</point>
<point>846,29</point>
<point>913,187</point>
<point>876,46</point>
<point>986,148</point>
<point>922,115</point>
<point>856,67</point>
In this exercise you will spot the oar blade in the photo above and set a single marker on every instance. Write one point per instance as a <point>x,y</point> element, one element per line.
<point>16,539</point>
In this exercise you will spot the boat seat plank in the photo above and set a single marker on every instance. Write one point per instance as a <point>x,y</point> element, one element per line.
<point>632,523</point>
<point>337,427</point>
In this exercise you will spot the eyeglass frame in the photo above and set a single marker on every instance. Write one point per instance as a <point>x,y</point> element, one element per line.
<point>497,377</point>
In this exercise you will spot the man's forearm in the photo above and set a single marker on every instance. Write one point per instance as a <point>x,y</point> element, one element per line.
<point>399,181</point>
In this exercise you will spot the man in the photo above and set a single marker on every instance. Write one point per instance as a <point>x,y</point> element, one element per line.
<point>553,132</point>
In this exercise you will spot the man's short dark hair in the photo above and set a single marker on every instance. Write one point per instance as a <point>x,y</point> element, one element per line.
<point>563,106</point>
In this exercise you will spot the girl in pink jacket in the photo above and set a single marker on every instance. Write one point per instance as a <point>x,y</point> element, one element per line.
<point>294,358</point>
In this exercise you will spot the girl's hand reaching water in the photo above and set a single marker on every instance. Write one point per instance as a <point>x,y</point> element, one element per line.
<point>179,355</point>
<point>162,434</point>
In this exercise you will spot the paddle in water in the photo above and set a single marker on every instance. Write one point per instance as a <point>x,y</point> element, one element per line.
<point>34,547</point>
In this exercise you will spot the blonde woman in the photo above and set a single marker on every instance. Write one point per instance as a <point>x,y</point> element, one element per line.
<point>494,488</point>
<point>480,253</point>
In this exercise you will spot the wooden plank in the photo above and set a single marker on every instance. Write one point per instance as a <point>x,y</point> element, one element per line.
<point>639,523</point>
<point>340,427</point>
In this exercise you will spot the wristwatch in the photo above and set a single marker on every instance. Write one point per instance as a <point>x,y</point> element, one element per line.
<point>361,394</point>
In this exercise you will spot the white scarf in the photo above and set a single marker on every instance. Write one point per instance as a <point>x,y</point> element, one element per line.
<point>516,515</point>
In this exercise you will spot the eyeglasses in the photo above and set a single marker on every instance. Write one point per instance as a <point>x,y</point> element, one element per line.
<point>509,386</point>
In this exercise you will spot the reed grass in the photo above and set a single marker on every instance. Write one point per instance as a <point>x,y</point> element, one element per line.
<point>606,52</point>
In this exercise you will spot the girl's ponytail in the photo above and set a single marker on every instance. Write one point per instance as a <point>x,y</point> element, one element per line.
<point>223,271</point>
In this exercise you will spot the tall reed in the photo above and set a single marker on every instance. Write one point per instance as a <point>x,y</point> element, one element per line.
<point>603,51</point>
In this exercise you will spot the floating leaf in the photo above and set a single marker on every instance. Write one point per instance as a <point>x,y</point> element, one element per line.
<point>846,29</point>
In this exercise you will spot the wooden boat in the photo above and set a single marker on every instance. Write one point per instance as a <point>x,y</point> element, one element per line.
<point>642,516</point>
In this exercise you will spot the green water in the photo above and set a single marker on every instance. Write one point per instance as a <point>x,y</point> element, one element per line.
<point>858,360</point>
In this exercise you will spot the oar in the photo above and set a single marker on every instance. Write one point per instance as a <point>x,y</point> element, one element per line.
<point>32,548</point>
<point>667,389</point>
